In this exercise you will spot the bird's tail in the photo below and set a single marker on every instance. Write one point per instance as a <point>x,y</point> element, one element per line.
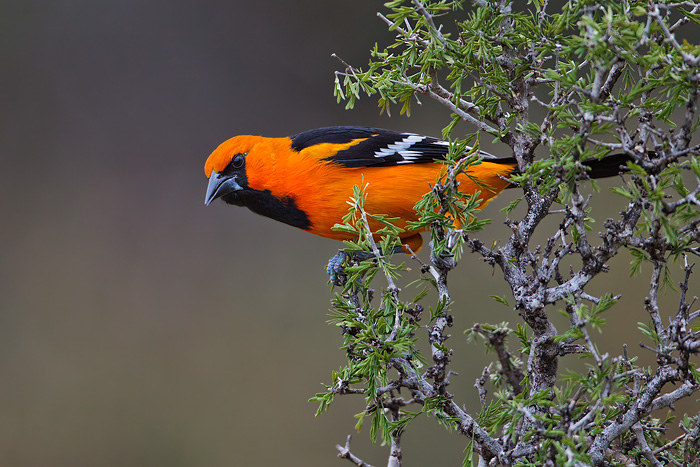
<point>609,166</point>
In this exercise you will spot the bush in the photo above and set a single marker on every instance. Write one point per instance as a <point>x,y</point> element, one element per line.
<point>578,81</point>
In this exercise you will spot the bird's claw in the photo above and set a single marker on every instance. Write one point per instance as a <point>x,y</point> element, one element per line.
<point>335,268</point>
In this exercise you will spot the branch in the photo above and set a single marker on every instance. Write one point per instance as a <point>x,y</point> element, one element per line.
<point>434,93</point>
<point>485,445</point>
<point>513,375</point>
<point>646,403</point>
<point>643,446</point>
<point>395,454</point>
<point>689,59</point>
<point>429,18</point>
<point>344,453</point>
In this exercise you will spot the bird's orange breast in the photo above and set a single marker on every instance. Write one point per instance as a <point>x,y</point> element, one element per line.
<point>322,189</point>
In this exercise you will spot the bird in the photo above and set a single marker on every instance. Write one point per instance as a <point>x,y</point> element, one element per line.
<point>306,179</point>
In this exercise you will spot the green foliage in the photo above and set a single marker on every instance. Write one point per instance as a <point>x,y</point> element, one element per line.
<point>373,335</point>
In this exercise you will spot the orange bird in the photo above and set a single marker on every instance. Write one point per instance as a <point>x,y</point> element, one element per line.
<point>305,180</point>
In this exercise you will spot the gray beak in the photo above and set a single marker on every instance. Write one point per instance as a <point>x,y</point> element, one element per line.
<point>220,185</point>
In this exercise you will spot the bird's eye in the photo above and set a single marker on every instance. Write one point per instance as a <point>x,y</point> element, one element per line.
<point>238,161</point>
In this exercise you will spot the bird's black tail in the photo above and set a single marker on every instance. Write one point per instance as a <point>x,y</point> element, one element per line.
<point>609,166</point>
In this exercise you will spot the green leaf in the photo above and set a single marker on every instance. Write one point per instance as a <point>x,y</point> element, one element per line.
<point>501,300</point>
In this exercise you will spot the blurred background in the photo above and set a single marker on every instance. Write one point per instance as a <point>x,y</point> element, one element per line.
<point>139,327</point>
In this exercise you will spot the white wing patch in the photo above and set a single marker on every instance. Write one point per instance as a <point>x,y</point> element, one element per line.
<point>402,148</point>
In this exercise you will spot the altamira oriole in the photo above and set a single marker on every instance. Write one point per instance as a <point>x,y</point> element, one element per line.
<point>304,180</point>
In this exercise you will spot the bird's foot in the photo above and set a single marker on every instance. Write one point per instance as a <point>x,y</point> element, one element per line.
<point>335,268</point>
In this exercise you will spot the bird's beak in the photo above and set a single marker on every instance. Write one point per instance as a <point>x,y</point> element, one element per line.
<point>220,185</point>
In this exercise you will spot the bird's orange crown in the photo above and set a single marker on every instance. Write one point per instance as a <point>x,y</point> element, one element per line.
<point>223,155</point>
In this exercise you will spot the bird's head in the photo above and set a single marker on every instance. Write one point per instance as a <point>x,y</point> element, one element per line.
<point>226,170</point>
<point>255,172</point>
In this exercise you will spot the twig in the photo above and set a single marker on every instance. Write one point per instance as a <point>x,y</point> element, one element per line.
<point>345,453</point>
<point>643,446</point>
<point>480,385</point>
<point>513,375</point>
